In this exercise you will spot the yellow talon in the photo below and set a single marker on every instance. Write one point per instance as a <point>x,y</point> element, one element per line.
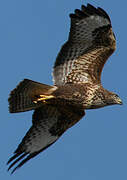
<point>43,98</point>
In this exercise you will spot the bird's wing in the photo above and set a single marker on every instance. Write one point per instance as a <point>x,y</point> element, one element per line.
<point>49,123</point>
<point>90,43</point>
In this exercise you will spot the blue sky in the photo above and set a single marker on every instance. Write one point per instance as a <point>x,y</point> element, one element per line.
<point>31,34</point>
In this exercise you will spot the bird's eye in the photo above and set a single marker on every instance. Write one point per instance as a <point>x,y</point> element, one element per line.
<point>116,96</point>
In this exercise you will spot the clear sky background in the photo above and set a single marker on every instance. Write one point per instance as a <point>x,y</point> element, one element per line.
<point>31,34</point>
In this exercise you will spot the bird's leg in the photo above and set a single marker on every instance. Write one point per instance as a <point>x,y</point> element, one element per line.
<point>43,98</point>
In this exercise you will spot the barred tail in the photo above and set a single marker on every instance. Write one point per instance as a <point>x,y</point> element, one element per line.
<point>23,97</point>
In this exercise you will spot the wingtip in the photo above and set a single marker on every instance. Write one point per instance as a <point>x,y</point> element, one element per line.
<point>88,10</point>
<point>16,168</point>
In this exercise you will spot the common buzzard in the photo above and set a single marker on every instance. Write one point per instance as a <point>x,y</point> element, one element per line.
<point>77,84</point>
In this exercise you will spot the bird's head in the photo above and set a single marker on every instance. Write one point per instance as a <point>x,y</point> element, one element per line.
<point>103,97</point>
<point>114,99</point>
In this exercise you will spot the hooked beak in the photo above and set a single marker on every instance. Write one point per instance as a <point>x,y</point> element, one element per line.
<point>119,101</point>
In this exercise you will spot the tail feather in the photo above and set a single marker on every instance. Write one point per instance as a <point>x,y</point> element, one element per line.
<point>23,97</point>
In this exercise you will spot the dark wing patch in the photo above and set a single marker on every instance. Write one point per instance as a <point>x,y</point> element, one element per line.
<point>49,123</point>
<point>91,41</point>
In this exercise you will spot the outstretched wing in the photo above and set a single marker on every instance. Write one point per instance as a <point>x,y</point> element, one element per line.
<point>38,137</point>
<point>90,43</point>
<point>49,123</point>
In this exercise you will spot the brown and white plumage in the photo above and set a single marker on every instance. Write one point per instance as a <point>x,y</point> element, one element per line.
<point>77,84</point>
<point>90,43</point>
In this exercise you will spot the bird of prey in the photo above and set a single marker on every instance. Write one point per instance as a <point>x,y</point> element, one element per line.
<point>77,84</point>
